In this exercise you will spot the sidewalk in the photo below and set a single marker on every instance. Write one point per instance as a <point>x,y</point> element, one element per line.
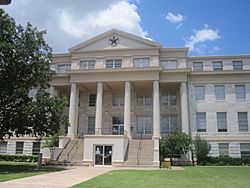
<point>66,178</point>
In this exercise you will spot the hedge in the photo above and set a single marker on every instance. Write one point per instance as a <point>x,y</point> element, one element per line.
<point>18,158</point>
<point>225,161</point>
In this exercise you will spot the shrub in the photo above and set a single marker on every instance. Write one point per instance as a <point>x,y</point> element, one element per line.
<point>201,149</point>
<point>18,158</point>
<point>165,164</point>
<point>225,161</point>
<point>176,143</point>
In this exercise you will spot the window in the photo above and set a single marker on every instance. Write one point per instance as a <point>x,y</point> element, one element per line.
<point>113,63</point>
<point>141,62</point>
<point>63,68</point>
<point>117,100</point>
<point>91,125</point>
<point>144,125</point>
<point>222,121</point>
<point>169,64</point>
<point>242,121</point>
<point>168,98</point>
<point>144,99</point>
<point>19,147</point>
<point>92,99</point>
<point>223,149</point>
<point>36,148</point>
<point>168,123</point>
<point>217,65</point>
<point>118,126</point>
<point>199,92</point>
<point>198,66</point>
<point>245,149</point>
<point>3,147</point>
<point>89,64</point>
<point>219,92</point>
<point>201,121</point>
<point>240,92</point>
<point>237,65</point>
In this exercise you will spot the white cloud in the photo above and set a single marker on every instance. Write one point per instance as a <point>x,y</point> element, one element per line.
<point>70,23</point>
<point>175,18</point>
<point>196,42</point>
<point>122,15</point>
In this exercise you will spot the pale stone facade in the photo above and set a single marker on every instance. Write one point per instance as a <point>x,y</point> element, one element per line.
<point>122,87</point>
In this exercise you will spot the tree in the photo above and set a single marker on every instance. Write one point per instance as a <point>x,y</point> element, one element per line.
<point>175,143</point>
<point>201,148</point>
<point>24,65</point>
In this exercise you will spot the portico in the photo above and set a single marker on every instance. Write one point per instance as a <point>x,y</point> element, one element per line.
<point>121,97</point>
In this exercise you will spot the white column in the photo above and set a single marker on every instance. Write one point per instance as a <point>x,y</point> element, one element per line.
<point>72,111</point>
<point>184,108</point>
<point>98,117</point>
<point>127,108</point>
<point>156,110</point>
<point>156,160</point>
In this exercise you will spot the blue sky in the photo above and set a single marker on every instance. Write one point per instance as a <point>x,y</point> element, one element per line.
<point>230,17</point>
<point>208,27</point>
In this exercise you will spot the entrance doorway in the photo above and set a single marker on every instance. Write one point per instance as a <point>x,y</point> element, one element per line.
<point>103,155</point>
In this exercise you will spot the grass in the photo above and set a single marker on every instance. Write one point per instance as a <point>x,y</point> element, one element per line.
<point>191,177</point>
<point>15,170</point>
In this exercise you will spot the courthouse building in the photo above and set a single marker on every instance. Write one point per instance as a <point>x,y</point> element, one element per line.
<point>126,92</point>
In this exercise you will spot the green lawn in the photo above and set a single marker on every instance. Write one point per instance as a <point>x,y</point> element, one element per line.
<point>191,177</point>
<point>14,170</point>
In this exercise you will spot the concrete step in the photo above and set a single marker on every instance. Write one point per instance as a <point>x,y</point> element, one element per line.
<point>73,153</point>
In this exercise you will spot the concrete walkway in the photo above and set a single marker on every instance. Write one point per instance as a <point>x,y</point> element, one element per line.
<point>66,178</point>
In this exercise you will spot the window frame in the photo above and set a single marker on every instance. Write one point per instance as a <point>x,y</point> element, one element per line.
<point>199,127</point>
<point>3,147</point>
<point>170,119</point>
<point>141,63</point>
<point>36,150</point>
<point>115,63</point>
<point>144,99</point>
<point>243,124</point>
<point>169,98</point>
<point>247,151</point>
<point>19,150</point>
<point>198,97</point>
<point>237,67</point>
<point>221,121</point>
<point>67,67</point>
<point>240,96</point>
<point>120,99</point>
<point>219,96</point>
<point>223,147</point>
<point>90,64</point>
<point>216,67</point>
<point>92,100</point>
<point>198,68</point>
<point>91,124</point>
<point>146,128</point>
<point>167,64</point>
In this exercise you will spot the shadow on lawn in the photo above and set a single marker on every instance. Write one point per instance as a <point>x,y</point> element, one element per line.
<point>11,168</point>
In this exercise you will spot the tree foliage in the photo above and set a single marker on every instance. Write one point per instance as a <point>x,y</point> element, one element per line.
<point>201,148</point>
<point>175,143</point>
<point>24,65</point>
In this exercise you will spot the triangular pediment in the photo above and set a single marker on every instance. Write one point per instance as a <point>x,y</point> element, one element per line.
<point>114,39</point>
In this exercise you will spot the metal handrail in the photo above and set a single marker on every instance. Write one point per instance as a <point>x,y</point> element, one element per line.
<point>139,149</point>
<point>79,135</point>
<point>62,150</point>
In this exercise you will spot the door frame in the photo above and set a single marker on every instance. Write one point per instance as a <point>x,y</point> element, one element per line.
<point>103,145</point>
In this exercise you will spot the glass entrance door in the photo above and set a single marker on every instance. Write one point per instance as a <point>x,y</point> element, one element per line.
<point>103,155</point>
